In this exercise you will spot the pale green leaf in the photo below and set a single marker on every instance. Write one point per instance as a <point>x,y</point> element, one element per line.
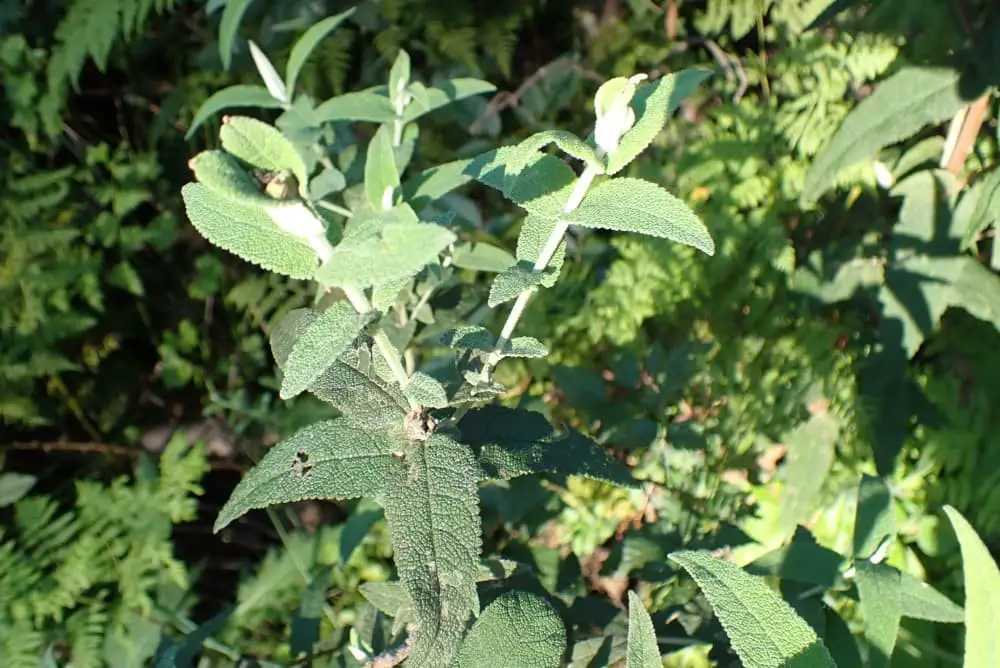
<point>511,442</point>
<point>364,105</point>
<point>232,15</point>
<point>384,253</point>
<point>469,337</point>
<point>330,180</point>
<point>319,346</point>
<point>433,514</point>
<point>399,74</point>
<point>535,232</point>
<point>635,205</point>
<point>982,591</point>
<point>517,630</point>
<point>304,46</point>
<point>762,628</point>
<point>223,174</point>
<point>426,391</point>
<point>391,598</point>
<point>262,146</point>
<point>446,92</point>
<point>13,486</point>
<point>240,95</point>
<point>653,105</point>
<point>381,177</point>
<point>900,106</point>
<point>873,519</point>
<point>481,257</point>
<point>525,346</point>
<point>514,280</point>
<point>540,183</point>
<point>335,459</point>
<point>386,294</point>
<point>431,184</point>
<point>568,142</point>
<point>248,232</point>
<point>642,651</point>
<point>811,449</point>
<point>272,80</point>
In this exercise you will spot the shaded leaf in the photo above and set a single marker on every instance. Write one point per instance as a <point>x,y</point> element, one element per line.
<point>514,280</point>
<point>535,232</point>
<point>481,257</point>
<point>519,630</point>
<point>304,46</point>
<point>568,142</point>
<point>539,183</point>
<point>365,105</point>
<point>426,391</point>
<point>306,619</point>
<point>381,177</point>
<point>802,560</point>
<point>232,15</point>
<point>444,93</point>
<point>811,448</point>
<point>873,520</point>
<point>357,526</point>
<point>642,650</point>
<point>262,146</point>
<point>319,346</point>
<point>240,95</point>
<point>431,184</point>
<point>223,174</point>
<point>13,487</point>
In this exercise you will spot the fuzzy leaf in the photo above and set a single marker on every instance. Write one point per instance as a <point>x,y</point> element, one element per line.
<point>262,146</point>
<point>642,650</point>
<point>982,591</point>
<point>653,105</point>
<point>514,280</point>
<point>391,598</point>
<point>568,142</point>
<point>481,257</point>
<point>319,346</point>
<point>447,92</point>
<point>900,106</point>
<point>240,95</point>
<point>248,232</point>
<point>364,105</point>
<point>873,519</point>
<point>635,205</point>
<point>535,231</point>
<point>335,459</point>
<point>381,177</point>
<point>433,514</point>
<point>304,46</point>
<point>511,442</point>
<point>433,183</point>
<point>383,254</point>
<point>516,630</point>
<point>539,183</point>
<point>525,346</point>
<point>232,15</point>
<point>762,628</point>
<point>223,174</point>
<point>811,450</point>
<point>426,391</point>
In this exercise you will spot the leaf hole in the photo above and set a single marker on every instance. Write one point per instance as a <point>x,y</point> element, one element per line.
<point>300,464</point>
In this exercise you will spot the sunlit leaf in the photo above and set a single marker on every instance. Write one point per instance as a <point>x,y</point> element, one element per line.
<point>517,630</point>
<point>642,650</point>
<point>240,95</point>
<point>305,45</point>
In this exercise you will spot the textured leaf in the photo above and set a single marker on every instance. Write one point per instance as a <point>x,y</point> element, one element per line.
<point>514,280</point>
<point>535,232</point>
<point>319,346</point>
<point>481,257</point>
<point>811,449</point>
<point>873,519</point>
<point>248,232</point>
<point>232,15</point>
<point>399,74</point>
<point>262,146</point>
<point>801,560</point>
<point>539,183</point>
<point>635,205</point>
<point>763,629</point>
<point>982,591</point>
<point>304,46</point>
<point>431,184</point>
<point>391,598</point>
<point>380,171</point>
<point>272,80</point>
<point>225,176</point>
<point>446,92</point>
<point>330,180</point>
<point>335,459</point>
<point>642,651</point>
<point>426,391</point>
<point>900,106</point>
<point>510,442</point>
<point>433,515</point>
<point>469,337</point>
<point>384,254</point>
<point>13,486</point>
<point>525,346</point>
<point>987,211</point>
<point>305,622</point>
<point>653,105</point>
<point>568,142</point>
<point>516,630</point>
<point>365,105</point>
<point>233,96</point>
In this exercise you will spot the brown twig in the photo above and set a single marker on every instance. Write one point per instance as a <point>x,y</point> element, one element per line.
<point>108,450</point>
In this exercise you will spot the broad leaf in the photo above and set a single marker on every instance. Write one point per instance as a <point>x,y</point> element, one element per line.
<point>431,184</point>
<point>841,642</point>
<point>319,347</point>
<point>365,105</point>
<point>525,346</point>
<point>481,257</point>
<point>225,176</point>
<point>642,650</point>
<point>535,232</point>
<point>433,511</point>
<point>982,591</point>
<point>516,630</point>
<point>900,106</point>
<point>13,486</point>
<point>987,211</point>
<point>811,448</point>
<point>511,442</point>
<point>304,46</point>
<point>635,205</point>
<point>873,519</point>
<point>426,391</point>
<point>514,280</point>
<point>568,142</point>
<point>248,232</point>
<point>539,183</point>
<point>653,105</point>
<point>335,459</point>
<point>802,560</point>
<point>446,92</point>
<point>357,526</point>
<point>232,15</point>
<point>240,95</point>
<point>262,146</point>
<point>763,629</point>
<point>381,177</point>
<point>384,254</point>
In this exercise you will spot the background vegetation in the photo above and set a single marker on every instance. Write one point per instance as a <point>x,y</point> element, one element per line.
<point>833,335</point>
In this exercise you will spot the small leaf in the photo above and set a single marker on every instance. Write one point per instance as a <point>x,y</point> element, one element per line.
<point>391,598</point>
<point>511,442</point>
<point>535,232</point>
<point>365,105</point>
<point>568,142</point>
<point>223,174</point>
<point>516,630</point>
<point>481,257</point>
<point>240,95</point>
<point>381,177</point>
<point>653,105</point>
<point>469,337</point>
<point>426,391</point>
<point>900,106</point>
<point>319,347</point>
<point>232,15</point>
<point>642,650</point>
<point>248,232</point>
<point>335,459</point>
<point>514,280</point>
<point>262,146</point>
<point>304,46</point>
<point>385,254</point>
<point>272,80</point>
<point>982,591</point>
<point>525,346</point>
<point>447,92</point>
<point>330,180</point>
<point>399,74</point>
<point>431,184</point>
<point>873,520</point>
<point>13,487</point>
<point>635,205</point>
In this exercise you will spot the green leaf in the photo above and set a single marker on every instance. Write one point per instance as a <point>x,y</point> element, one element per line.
<point>987,211</point>
<point>399,74</point>
<point>265,68</point>
<point>381,177</point>
<point>802,560</point>
<point>635,205</point>
<point>642,650</point>
<point>391,598</point>
<point>516,630</point>
<point>900,106</point>
<point>763,629</point>
<point>13,487</point>
<point>240,95</point>
<point>330,180</point>
<point>982,591</point>
<point>262,146</point>
<point>384,254</point>
<point>511,442</point>
<point>431,184</point>
<point>304,46</point>
<point>426,391</point>
<point>841,642</point>
<point>248,232</point>
<point>305,622</point>
<point>365,105</point>
<point>514,280</point>
<point>232,15</point>
<point>183,654</point>
<point>225,176</point>
<point>535,231</point>
<point>653,105</point>
<point>811,449</point>
<point>568,142</point>
<point>525,346</point>
<point>335,459</point>
<point>481,257</point>
<point>319,346</point>
<point>447,92</point>
<point>539,183</point>
<point>873,519</point>
<point>433,514</point>
<point>357,526</point>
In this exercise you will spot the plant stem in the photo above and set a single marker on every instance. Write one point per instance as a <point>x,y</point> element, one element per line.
<point>337,209</point>
<point>362,306</point>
